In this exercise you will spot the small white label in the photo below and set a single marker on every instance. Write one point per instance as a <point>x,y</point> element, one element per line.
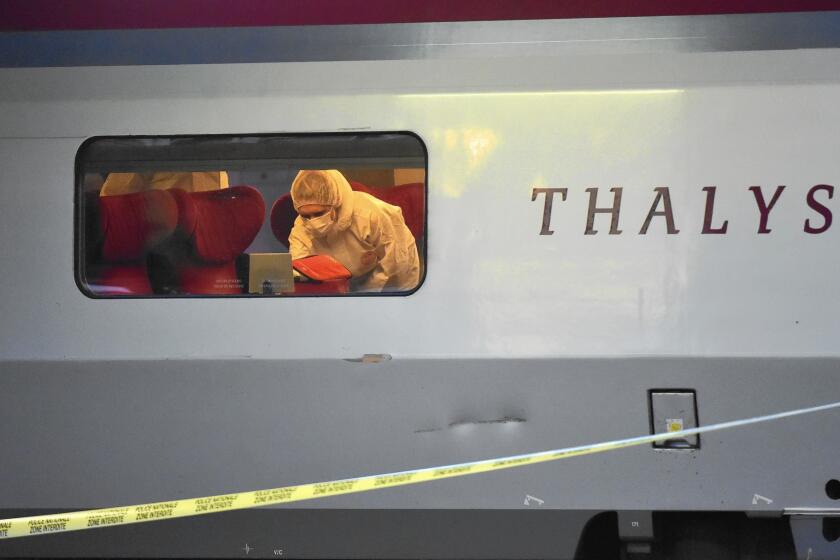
<point>529,498</point>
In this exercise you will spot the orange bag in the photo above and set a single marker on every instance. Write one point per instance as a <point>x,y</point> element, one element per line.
<point>323,268</point>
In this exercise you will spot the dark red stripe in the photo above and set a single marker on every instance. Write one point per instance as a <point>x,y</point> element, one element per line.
<point>148,14</point>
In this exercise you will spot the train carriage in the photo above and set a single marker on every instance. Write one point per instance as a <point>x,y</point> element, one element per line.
<point>624,227</point>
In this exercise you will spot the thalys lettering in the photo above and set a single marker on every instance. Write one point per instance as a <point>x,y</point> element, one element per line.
<point>818,219</point>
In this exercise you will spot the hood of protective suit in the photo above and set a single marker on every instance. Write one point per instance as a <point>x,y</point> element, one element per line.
<point>326,187</point>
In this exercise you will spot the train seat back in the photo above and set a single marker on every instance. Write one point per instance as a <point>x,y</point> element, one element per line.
<point>283,218</point>
<point>217,227</point>
<point>129,226</point>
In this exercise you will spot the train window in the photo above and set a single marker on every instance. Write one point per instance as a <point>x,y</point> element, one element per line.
<point>268,215</point>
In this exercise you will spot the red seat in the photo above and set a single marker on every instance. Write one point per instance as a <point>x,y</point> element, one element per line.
<point>283,218</point>
<point>129,225</point>
<point>218,226</point>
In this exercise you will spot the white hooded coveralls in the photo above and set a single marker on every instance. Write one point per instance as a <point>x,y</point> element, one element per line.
<point>369,237</point>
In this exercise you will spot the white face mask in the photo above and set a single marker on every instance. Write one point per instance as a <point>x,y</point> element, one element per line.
<point>320,226</point>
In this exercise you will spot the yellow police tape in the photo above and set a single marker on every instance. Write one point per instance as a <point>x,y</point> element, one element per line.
<point>110,517</point>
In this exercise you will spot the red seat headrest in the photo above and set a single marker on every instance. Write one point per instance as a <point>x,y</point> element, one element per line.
<point>131,224</point>
<point>220,224</point>
<point>283,218</point>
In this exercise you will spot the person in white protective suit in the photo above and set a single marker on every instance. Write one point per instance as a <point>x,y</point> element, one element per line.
<point>368,236</point>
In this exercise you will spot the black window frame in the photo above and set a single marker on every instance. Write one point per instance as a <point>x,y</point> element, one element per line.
<point>79,222</point>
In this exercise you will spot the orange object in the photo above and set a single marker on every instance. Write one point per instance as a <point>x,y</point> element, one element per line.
<point>323,268</point>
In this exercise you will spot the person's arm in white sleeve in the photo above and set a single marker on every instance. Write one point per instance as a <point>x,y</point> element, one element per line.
<point>382,236</point>
<point>300,244</point>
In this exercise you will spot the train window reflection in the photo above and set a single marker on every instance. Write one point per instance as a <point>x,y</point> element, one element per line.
<point>251,215</point>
